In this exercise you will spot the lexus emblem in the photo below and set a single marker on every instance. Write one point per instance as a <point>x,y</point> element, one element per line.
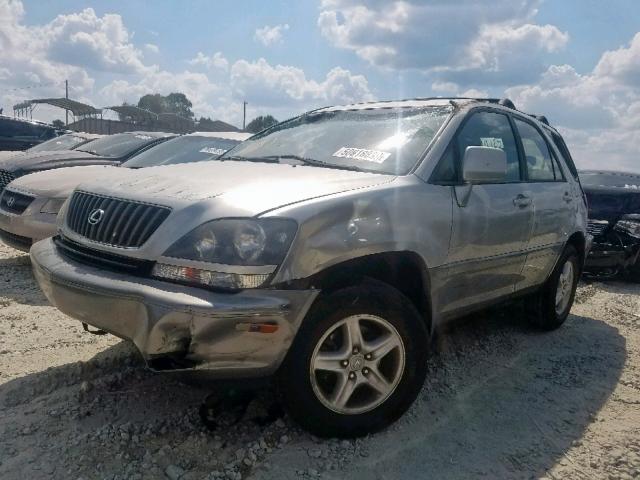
<point>11,201</point>
<point>95,216</point>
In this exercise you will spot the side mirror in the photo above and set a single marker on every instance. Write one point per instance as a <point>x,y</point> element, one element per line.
<point>484,165</point>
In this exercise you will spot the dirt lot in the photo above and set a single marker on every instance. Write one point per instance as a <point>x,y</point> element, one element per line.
<point>501,401</point>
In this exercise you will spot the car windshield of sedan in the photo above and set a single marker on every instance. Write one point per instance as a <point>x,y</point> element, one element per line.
<point>601,179</point>
<point>380,140</point>
<point>189,148</point>
<point>63,142</point>
<point>116,145</point>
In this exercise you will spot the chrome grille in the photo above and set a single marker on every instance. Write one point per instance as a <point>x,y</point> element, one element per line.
<point>5,179</point>
<point>597,227</point>
<point>15,202</point>
<point>122,223</point>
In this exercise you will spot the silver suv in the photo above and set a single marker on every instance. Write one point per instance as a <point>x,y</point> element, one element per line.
<point>327,249</point>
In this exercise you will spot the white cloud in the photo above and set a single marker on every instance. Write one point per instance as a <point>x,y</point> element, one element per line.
<point>216,60</point>
<point>152,47</point>
<point>599,112</point>
<point>481,41</point>
<point>270,35</point>
<point>261,82</point>
<point>98,43</point>
<point>622,64</point>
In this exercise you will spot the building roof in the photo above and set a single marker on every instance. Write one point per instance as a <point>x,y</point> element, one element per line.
<point>76,108</point>
<point>133,112</point>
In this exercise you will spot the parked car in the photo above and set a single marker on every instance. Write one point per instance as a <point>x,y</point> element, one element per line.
<point>110,150</point>
<point>614,222</point>
<point>20,134</point>
<point>326,250</point>
<point>68,141</point>
<point>29,205</point>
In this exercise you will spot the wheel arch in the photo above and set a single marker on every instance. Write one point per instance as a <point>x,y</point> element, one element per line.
<point>406,271</point>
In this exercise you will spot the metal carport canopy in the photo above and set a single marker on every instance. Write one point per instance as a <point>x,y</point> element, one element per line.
<point>76,108</point>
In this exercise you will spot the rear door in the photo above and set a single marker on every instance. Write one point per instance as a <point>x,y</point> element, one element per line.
<point>554,203</point>
<point>491,222</point>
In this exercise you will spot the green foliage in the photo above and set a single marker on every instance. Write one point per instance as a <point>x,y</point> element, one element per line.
<point>260,123</point>
<point>58,123</point>
<point>176,102</point>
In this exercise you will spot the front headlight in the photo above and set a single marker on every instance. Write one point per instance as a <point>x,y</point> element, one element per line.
<point>629,224</point>
<point>214,248</point>
<point>53,206</point>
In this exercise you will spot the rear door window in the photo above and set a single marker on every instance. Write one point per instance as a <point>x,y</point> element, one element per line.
<point>537,155</point>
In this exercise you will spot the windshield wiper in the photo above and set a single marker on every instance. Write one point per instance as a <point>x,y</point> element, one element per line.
<point>315,163</point>
<point>250,159</point>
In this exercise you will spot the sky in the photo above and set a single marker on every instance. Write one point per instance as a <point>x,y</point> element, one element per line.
<point>575,61</point>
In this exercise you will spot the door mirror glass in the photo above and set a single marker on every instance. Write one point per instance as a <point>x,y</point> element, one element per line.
<point>484,165</point>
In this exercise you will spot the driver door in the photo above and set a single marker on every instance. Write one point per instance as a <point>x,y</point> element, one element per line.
<point>491,222</point>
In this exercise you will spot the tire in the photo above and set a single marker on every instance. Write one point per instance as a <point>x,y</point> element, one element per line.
<point>382,314</point>
<point>546,312</point>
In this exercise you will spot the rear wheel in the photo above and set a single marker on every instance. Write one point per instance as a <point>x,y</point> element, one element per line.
<point>358,362</point>
<point>550,307</point>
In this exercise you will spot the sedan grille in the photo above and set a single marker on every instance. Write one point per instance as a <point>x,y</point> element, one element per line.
<point>597,227</point>
<point>114,221</point>
<point>15,202</point>
<point>5,179</point>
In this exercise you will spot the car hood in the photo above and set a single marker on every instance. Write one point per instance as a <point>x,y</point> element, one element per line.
<point>12,154</point>
<point>59,183</point>
<point>22,165</point>
<point>247,187</point>
<point>611,203</point>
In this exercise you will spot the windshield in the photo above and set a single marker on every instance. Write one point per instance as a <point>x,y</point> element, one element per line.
<point>621,180</point>
<point>63,142</point>
<point>383,140</point>
<point>117,145</point>
<point>182,150</point>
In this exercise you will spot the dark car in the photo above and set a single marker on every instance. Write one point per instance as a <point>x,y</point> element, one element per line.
<point>20,134</point>
<point>614,222</point>
<point>68,141</point>
<point>111,150</point>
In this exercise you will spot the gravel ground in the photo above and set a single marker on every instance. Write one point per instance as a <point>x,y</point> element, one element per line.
<point>501,401</point>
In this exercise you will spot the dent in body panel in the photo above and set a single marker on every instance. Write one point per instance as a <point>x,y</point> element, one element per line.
<point>404,216</point>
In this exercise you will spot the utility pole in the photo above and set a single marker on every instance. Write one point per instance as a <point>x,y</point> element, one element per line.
<point>244,115</point>
<point>66,95</point>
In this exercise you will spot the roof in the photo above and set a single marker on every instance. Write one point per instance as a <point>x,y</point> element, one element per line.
<point>609,172</point>
<point>27,120</point>
<point>74,107</point>
<point>415,102</point>
<point>219,126</point>
<point>134,112</point>
<point>148,134</point>
<point>240,136</point>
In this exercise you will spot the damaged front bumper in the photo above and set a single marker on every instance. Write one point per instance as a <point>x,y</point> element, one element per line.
<point>612,253</point>
<point>177,327</point>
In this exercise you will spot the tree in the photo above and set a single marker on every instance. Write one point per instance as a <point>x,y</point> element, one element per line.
<point>176,102</point>
<point>260,123</point>
<point>58,123</point>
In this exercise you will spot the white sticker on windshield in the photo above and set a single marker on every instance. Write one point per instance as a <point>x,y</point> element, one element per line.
<point>492,142</point>
<point>143,137</point>
<point>375,156</point>
<point>213,150</point>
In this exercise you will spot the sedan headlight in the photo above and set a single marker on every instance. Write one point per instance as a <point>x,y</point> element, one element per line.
<point>53,206</point>
<point>228,243</point>
<point>629,224</point>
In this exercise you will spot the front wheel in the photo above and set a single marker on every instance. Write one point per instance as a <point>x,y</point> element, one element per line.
<point>550,307</point>
<point>357,364</point>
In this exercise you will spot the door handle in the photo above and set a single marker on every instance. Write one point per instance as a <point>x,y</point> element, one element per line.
<point>567,197</point>
<point>522,201</point>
